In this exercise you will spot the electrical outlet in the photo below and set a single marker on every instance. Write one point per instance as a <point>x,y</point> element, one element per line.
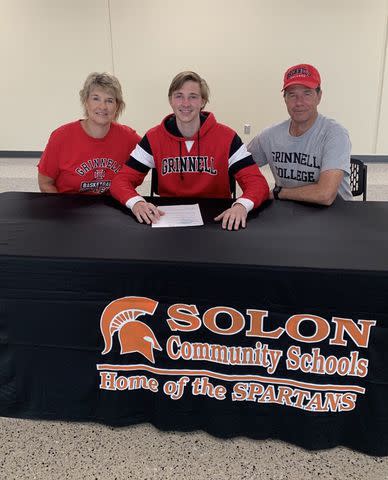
<point>247,129</point>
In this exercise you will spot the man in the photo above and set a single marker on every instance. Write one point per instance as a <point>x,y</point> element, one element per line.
<point>309,154</point>
<point>193,156</point>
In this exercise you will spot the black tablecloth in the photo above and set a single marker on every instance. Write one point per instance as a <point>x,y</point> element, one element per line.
<point>193,343</point>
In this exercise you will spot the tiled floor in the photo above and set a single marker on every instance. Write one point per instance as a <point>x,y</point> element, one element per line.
<point>58,450</point>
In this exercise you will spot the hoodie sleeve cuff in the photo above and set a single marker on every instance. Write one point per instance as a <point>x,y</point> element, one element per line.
<point>248,204</point>
<point>131,202</point>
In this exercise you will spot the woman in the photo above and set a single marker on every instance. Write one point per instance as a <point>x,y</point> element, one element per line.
<point>84,156</point>
<point>193,156</point>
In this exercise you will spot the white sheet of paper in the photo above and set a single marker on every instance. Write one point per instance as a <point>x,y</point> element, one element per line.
<point>179,216</point>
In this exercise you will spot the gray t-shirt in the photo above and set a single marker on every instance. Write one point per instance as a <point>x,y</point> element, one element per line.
<point>298,161</point>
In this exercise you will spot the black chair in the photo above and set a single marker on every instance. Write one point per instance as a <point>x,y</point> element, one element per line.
<point>155,185</point>
<point>232,186</point>
<point>358,177</point>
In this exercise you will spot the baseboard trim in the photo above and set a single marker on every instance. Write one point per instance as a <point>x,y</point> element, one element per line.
<point>20,154</point>
<point>372,158</point>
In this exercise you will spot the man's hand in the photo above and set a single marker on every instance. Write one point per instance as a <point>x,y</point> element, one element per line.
<point>146,212</point>
<point>234,217</point>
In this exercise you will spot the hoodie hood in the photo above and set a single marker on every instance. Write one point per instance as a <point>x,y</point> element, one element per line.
<point>170,126</point>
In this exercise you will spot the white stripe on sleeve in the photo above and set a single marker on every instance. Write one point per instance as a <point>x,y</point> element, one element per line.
<point>143,157</point>
<point>241,153</point>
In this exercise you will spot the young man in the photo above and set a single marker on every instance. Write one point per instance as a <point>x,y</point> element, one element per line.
<point>309,154</point>
<point>193,156</point>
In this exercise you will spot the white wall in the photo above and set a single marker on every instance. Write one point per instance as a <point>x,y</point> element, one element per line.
<point>242,49</point>
<point>382,127</point>
<point>47,48</point>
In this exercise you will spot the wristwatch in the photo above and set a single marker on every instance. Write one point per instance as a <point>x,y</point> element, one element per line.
<point>276,192</point>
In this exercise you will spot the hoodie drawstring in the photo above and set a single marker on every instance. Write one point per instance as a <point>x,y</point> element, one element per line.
<point>181,160</point>
<point>199,153</point>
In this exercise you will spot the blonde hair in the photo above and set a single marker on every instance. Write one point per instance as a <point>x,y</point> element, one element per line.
<point>106,81</point>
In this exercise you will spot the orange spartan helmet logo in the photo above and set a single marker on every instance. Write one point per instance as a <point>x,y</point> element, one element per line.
<point>134,336</point>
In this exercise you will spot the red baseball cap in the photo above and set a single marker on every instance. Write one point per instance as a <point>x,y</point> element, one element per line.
<point>302,74</point>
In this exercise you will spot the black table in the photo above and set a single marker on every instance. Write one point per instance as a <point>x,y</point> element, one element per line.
<point>278,330</point>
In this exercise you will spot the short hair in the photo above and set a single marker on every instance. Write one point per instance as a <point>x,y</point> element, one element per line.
<point>106,81</point>
<point>183,77</point>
